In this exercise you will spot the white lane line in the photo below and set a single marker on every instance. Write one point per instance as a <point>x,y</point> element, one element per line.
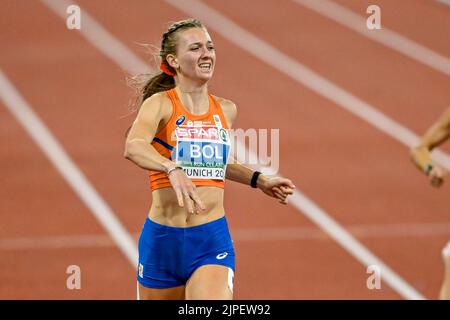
<point>447,2</point>
<point>50,146</point>
<point>239,235</point>
<point>302,74</point>
<point>100,38</point>
<point>353,246</point>
<point>359,231</point>
<point>387,37</point>
<point>56,242</point>
<point>273,57</point>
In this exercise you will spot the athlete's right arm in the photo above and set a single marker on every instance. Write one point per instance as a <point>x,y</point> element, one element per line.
<point>421,154</point>
<point>139,150</point>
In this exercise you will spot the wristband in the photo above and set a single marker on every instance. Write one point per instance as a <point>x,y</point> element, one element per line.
<point>428,169</point>
<point>254,179</point>
<point>172,169</point>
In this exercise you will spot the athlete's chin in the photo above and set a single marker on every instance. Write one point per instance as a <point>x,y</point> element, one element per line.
<point>205,76</point>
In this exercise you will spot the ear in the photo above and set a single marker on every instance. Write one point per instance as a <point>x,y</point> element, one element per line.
<point>172,61</point>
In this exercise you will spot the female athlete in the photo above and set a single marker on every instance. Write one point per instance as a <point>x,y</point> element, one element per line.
<point>181,136</point>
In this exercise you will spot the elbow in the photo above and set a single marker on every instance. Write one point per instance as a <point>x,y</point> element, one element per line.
<point>128,152</point>
<point>127,155</point>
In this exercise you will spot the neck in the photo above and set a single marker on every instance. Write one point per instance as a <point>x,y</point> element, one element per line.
<point>193,96</point>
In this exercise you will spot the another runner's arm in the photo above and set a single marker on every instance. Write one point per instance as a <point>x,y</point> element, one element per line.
<point>138,148</point>
<point>436,135</point>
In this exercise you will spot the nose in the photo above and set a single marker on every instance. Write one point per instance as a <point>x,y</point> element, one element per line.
<point>205,53</point>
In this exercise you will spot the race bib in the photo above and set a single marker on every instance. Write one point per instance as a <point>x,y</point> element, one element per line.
<point>202,151</point>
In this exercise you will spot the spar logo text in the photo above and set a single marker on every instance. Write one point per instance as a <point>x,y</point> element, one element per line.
<point>203,146</point>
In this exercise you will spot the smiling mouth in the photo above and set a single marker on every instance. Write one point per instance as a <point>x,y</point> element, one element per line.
<point>206,66</point>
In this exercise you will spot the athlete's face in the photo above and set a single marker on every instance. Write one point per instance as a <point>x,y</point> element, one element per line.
<point>196,56</point>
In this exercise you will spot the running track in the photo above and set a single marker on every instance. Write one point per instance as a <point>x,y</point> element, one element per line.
<point>356,173</point>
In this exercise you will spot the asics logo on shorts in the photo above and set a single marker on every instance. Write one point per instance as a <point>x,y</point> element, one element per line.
<point>141,270</point>
<point>222,255</point>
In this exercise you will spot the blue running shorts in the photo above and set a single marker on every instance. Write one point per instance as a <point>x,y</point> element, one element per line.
<point>169,255</point>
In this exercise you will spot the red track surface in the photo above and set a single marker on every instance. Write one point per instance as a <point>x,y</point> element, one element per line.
<point>356,173</point>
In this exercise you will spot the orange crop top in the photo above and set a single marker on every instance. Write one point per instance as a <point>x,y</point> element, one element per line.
<point>198,143</point>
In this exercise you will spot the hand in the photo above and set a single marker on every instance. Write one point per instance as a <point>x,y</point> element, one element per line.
<point>436,176</point>
<point>276,187</point>
<point>186,191</point>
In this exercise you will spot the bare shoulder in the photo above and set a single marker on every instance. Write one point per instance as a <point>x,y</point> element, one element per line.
<point>155,109</point>
<point>229,109</point>
<point>227,104</point>
<point>159,101</point>
<point>154,112</point>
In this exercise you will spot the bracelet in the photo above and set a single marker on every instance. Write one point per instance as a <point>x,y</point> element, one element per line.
<point>172,169</point>
<point>254,179</point>
<point>428,169</point>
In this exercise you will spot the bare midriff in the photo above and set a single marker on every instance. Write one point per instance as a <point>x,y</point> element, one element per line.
<point>165,209</point>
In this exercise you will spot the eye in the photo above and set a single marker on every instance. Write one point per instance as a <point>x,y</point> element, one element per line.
<point>194,48</point>
<point>211,48</point>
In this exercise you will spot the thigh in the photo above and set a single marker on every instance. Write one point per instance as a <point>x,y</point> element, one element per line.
<point>210,282</point>
<point>175,293</point>
<point>159,273</point>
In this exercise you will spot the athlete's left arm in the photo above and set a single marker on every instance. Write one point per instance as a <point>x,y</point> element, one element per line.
<point>276,187</point>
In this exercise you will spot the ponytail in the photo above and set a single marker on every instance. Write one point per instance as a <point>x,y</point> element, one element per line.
<point>158,83</point>
<point>145,87</point>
